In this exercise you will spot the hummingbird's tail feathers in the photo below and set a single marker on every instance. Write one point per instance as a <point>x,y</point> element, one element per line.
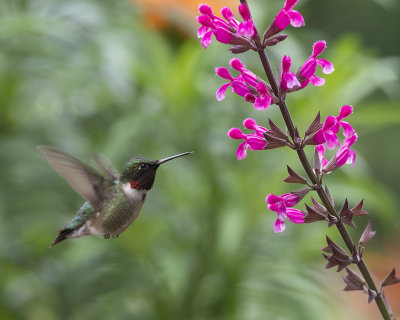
<point>61,236</point>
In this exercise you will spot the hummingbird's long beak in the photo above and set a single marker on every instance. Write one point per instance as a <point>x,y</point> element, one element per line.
<point>173,157</point>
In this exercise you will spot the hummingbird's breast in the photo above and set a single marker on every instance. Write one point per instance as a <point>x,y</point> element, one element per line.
<point>121,210</point>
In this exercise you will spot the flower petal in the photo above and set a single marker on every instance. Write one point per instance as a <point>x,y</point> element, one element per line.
<point>289,4</point>
<point>348,130</point>
<point>318,47</point>
<point>222,35</point>
<point>205,20</point>
<point>250,124</point>
<point>207,39</point>
<point>202,31</point>
<point>295,215</point>
<point>286,63</point>
<point>241,152</point>
<point>246,29</point>
<point>290,199</point>
<point>345,111</point>
<point>255,142</point>
<point>296,19</point>
<point>282,20</point>
<point>279,226</point>
<point>244,12</point>
<point>262,102</point>
<point>332,141</point>
<point>237,64</point>
<point>327,66</point>
<point>223,73</point>
<point>235,133</point>
<point>317,81</point>
<point>308,68</point>
<point>319,137</point>
<point>221,92</point>
<point>240,88</point>
<point>205,9</point>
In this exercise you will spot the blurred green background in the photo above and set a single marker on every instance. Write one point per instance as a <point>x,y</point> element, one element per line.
<point>92,76</point>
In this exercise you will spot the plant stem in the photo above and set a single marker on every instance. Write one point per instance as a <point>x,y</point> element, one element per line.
<point>321,193</point>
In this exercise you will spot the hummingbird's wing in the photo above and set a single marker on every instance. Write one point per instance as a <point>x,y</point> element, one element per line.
<point>106,166</point>
<point>82,178</point>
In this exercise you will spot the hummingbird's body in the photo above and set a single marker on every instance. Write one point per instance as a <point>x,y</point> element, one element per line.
<point>113,201</point>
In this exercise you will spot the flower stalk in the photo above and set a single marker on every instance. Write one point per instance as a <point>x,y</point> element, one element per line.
<point>254,89</point>
<point>317,183</point>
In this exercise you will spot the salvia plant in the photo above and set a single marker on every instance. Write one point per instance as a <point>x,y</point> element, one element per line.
<point>334,133</point>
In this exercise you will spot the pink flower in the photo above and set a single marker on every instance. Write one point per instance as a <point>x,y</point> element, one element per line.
<point>345,154</point>
<point>328,133</point>
<point>212,25</point>
<point>287,15</point>
<point>263,99</point>
<point>294,215</point>
<point>246,28</point>
<point>281,204</point>
<point>253,141</point>
<point>309,67</point>
<point>238,84</point>
<point>225,31</point>
<point>246,85</point>
<point>345,111</point>
<point>289,79</point>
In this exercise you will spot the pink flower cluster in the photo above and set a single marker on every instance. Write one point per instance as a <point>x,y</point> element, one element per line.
<point>293,82</point>
<point>246,85</point>
<point>225,31</point>
<point>328,135</point>
<point>281,205</point>
<point>253,141</point>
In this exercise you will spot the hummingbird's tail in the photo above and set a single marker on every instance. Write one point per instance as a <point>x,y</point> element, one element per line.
<point>61,236</point>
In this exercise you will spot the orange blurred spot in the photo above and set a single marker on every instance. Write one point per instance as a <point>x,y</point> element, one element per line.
<point>160,14</point>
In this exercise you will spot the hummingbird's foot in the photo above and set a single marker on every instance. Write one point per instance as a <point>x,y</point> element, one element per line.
<point>106,236</point>
<point>116,236</point>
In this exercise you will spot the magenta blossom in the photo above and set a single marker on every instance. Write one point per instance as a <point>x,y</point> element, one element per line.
<point>307,71</point>
<point>288,79</point>
<point>281,204</point>
<point>225,31</point>
<point>287,15</point>
<point>343,155</point>
<point>246,85</point>
<point>345,111</point>
<point>294,215</point>
<point>246,28</point>
<point>253,141</point>
<point>328,133</point>
<point>238,84</point>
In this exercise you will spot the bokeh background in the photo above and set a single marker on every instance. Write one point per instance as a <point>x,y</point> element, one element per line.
<point>131,79</point>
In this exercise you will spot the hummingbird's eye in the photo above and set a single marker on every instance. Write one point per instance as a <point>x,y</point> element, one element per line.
<point>143,166</point>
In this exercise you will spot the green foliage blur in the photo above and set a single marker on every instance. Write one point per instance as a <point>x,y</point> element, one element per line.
<point>89,77</point>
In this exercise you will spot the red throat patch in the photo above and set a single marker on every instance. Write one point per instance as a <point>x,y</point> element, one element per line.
<point>135,184</point>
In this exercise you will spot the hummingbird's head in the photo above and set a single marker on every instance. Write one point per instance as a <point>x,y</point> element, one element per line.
<point>141,172</point>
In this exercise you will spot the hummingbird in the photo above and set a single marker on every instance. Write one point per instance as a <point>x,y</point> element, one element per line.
<point>113,200</point>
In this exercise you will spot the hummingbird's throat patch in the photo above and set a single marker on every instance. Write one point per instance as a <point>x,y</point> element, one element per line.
<point>135,185</point>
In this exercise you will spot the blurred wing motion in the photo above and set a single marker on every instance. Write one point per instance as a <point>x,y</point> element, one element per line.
<point>106,167</point>
<point>82,178</point>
